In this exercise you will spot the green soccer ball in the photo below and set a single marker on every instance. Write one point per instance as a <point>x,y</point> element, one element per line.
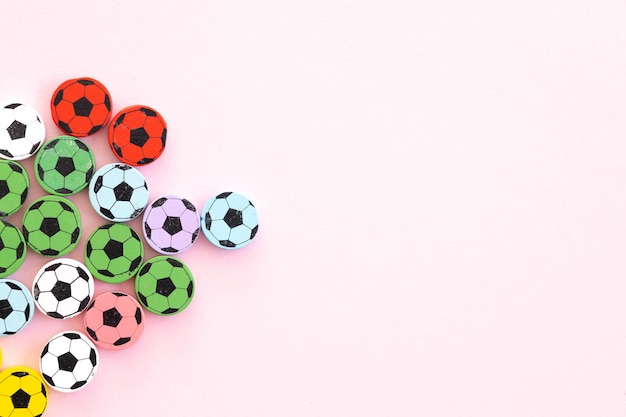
<point>51,226</point>
<point>12,249</point>
<point>13,187</point>
<point>113,253</point>
<point>164,285</point>
<point>64,165</point>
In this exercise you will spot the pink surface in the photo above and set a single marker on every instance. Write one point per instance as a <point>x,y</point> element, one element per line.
<point>441,192</point>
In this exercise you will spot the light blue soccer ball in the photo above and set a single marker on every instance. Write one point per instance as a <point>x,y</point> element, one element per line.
<point>16,306</point>
<point>229,220</point>
<point>118,192</point>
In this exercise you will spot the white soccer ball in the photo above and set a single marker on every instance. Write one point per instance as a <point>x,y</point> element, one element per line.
<point>22,131</point>
<point>68,361</point>
<point>62,288</point>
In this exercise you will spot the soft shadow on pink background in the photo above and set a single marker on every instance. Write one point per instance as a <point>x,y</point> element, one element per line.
<point>440,189</point>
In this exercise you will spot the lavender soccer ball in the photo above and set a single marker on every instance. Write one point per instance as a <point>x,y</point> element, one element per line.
<point>171,224</point>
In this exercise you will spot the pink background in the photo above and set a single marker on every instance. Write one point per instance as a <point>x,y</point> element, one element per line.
<point>441,187</point>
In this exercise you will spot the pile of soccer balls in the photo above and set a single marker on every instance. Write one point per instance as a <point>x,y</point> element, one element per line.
<point>114,252</point>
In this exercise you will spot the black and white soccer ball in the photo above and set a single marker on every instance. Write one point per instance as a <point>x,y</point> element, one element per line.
<point>22,131</point>
<point>68,361</point>
<point>62,288</point>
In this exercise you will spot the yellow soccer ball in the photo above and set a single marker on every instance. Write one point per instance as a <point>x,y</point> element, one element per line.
<point>23,392</point>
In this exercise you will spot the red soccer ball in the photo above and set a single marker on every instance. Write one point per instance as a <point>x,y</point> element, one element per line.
<point>81,106</point>
<point>137,135</point>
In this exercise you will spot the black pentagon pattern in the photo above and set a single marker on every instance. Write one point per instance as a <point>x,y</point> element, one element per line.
<point>114,249</point>
<point>17,130</point>
<point>5,309</point>
<point>67,362</point>
<point>117,149</point>
<point>135,263</point>
<point>23,196</point>
<point>64,126</point>
<point>19,251</point>
<point>82,274</point>
<point>142,298</point>
<point>188,205</point>
<point>27,312</point>
<point>13,286</point>
<point>165,286</point>
<point>139,136</point>
<point>107,213</point>
<point>227,243</point>
<point>78,384</point>
<point>172,225</point>
<point>61,290</point>
<point>91,333</point>
<point>75,235</point>
<point>58,97</point>
<point>65,166</point>
<point>98,184</point>
<point>15,167</point>
<point>121,341</point>
<point>159,202</point>
<point>148,112</point>
<point>36,290</point>
<point>111,317</point>
<point>49,252</point>
<point>119,120</point>
<point>55,315</point>
<point>6,153</point>
<point>94,129</point>
<point>92,357</point>
<point>50,226</point>
<point>163,137</point>
<point>233,218</point>
<point>53,267</point>
<point>145,269</point>
<point>84,303</point>
<point>20,399</point>
<point>123,191</point>
<point>82,107</point>
<point>190,289</point>
<point>174,262</point>
<point>48,379</point>
<point>4,188</point>
<point>136,212</point>
<point>107,226</point>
